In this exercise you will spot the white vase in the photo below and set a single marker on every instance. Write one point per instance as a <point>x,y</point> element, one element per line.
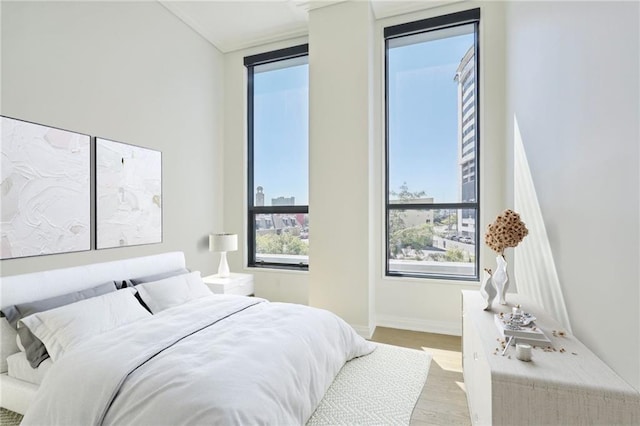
<point>487,290</point>
<point>501,279</point>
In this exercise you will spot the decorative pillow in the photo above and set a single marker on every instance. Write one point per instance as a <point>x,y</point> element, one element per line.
<point>173,291</point>
<point>155,277</point>
<point>63,328</point>
<point>17,312</point>
<point>34,348</point>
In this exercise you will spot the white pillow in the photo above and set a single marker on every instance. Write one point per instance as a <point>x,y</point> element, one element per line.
<point>7,344</point>
<point>62,328</point>
<point>19,343</point>
<point>172,291</point>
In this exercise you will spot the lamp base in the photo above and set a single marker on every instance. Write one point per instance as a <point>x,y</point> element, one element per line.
<point>223,268</point>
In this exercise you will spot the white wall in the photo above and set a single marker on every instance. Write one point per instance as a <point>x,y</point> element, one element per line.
<point>340,142</point>
<point>573,93</point>
<point>132,72</point>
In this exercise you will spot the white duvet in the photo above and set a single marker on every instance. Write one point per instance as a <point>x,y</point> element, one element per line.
<point>216,360</point>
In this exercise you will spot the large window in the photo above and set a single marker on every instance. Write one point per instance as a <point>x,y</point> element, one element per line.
<point>278,152</point>
<point>432,140</point>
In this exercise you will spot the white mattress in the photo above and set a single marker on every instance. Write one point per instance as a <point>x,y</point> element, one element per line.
<point>19,368</point>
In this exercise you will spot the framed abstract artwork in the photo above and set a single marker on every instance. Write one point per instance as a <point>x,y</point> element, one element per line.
<point>128,195</point>
<point>45,190</point>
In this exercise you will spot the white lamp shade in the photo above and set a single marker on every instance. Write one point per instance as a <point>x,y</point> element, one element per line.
<point>223,242</point>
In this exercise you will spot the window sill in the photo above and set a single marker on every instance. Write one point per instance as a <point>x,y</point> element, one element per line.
<point>271,269</point>
<point>471,284</point>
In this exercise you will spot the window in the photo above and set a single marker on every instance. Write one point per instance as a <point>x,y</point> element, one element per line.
<point>432,140</point>
<point>278,152</point>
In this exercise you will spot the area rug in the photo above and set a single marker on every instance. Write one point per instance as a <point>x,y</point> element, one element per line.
<point>378,389</point>
<point>9,418</point>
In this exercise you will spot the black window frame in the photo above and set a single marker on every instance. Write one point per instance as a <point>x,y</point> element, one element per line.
<point>471,16</point>
<point>250,62</point>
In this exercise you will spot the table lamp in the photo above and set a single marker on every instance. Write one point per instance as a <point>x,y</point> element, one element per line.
<point>223,243</point>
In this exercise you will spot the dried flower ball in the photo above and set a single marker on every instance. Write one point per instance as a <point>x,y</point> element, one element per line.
<point>506,231</point>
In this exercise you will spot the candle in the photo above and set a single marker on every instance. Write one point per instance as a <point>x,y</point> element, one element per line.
<point>523,352</point>
<point>516,311</point>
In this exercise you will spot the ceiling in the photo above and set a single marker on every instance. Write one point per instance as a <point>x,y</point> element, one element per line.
<point>237,24</point>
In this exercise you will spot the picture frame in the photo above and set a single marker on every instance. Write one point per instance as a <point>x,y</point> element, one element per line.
<point>45,190</point>
<point>128,194</point>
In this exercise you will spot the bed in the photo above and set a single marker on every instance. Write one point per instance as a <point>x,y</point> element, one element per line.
<point>162,350</point>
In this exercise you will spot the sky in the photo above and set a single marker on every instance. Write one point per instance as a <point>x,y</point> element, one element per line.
<point>423,116</point>
<point>281,133</point>
<point>422,126</point>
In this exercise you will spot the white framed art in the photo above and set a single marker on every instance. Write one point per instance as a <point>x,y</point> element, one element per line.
<point>128,195</point>
<point>45,199</point>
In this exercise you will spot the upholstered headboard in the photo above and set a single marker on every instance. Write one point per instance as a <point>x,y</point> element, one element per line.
<point>42,285</point>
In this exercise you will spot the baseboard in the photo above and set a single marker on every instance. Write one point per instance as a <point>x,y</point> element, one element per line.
<point>453,328</point>
<point>364,331</point>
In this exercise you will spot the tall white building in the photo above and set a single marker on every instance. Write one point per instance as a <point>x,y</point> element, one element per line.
<point>466,78</point>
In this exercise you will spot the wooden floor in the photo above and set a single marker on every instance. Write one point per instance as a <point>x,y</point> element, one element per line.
<point>443,400</point>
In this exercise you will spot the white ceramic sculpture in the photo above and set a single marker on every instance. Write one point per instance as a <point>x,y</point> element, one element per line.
<point>487,289</point>
<point>500,278</point>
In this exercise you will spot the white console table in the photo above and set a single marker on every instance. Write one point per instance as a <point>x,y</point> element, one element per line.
<point>573,387</point>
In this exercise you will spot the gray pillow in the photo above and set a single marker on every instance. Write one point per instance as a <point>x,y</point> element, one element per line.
<point>34,348</point>
<point>155,277</point>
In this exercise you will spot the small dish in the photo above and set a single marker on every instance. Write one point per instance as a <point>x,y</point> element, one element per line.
<point>524,320</point>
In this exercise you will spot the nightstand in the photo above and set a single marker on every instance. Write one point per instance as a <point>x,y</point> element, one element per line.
<point>240,284</point>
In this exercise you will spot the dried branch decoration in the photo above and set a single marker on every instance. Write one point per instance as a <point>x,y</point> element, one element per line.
<point>506,231</point>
